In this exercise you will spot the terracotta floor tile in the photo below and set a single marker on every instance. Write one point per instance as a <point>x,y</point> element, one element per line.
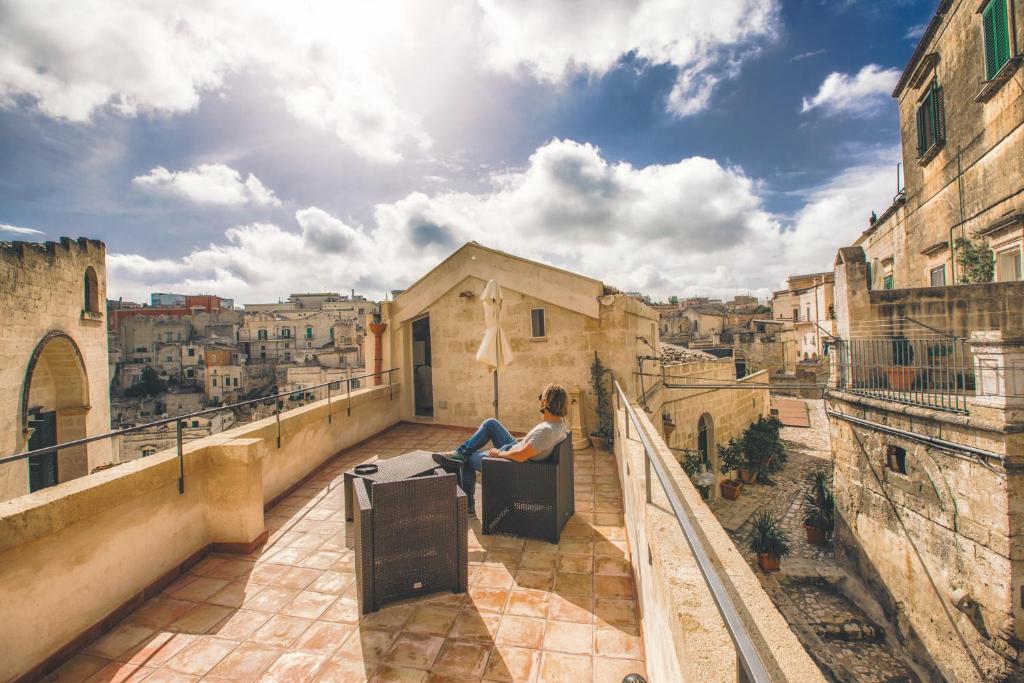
<point>575,547</point>
<point>232,569</point>
<point>234,594</point>
<point>556,667</point>
<point>576,564</point>
<point>414,650</point>
<point>398,674</point>
<point>613,586</point>
<point>271,599</point>
<point>528,603</point>
<point>393,617</point>
<point>201,655</point>
<point>340,670</point>
<point>280,630</point>
<point>616,669</point>
<point>200,619</point>
<point>615,612</point>
<point>574,584</point>
<point>504,557</point>
<point>77,669</point>
<point>462,659</point>
<point>493,577</point>
<point>154,652</point>
<point>296,577</point>
<point>309,604</point>
<point>198,589</point>
<point>612,566</point>
<point>521,631</point>
<point>119,672</point>
<point>477,626</point>
<point>321,559</point>
<point>488,599</point>
<point>512,665</point>
<point>606,548</point>
<point>159,611</point>
<point>574,608</point>
<point>564,636</point>
<point>206,565</point>
<point>263,573</point>
<point>294,667</point>
<point>343,611</point>
<point>119,640</point>
<point>436,621</point>
<point>534,580</point>
<point>446,599</point>
<point>246,663</point>
<point>540,561</point>
<point>621,642</point>
<point>366,645</point>
<point>240,624</point>
<point>169,676</point>
<point>323,637</point>
<point>540,547</point>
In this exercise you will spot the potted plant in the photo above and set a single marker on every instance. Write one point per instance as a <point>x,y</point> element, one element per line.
<point>604,433</point>
<point>732,459</point>
<point>667,425</point>
<point>768,540</point>
<point>900,374</point>
<point>818,508</point>
<point>763,450</point>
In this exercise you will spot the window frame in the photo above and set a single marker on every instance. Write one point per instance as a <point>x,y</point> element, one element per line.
<point>931,275</point>
<point>994,61</point>
<point>543,323</point>
<point>896,459</point>
<point>1006,251</point>
<point>930,120</point>
<point>888,282</point>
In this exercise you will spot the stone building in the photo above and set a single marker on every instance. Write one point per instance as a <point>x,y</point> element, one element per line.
<point>961,108</point>
<point>53,361</point>
<point>147,442</point>
<point>808,302</point>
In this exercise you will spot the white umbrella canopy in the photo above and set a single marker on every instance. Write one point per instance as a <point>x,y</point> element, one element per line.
<point>495,350</point>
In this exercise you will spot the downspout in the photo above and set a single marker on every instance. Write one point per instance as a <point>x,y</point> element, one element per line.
<point>378,350</point>
<point>960,192</point>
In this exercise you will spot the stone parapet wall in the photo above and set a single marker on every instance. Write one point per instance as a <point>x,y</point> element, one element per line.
<point>75,554</point>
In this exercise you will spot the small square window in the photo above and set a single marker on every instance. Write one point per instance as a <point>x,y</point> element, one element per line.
<point>896,459</point>
<point>887,282</point>
<point>937,276</point>
<point>195,424</point>
<point>1008,265</point>
<point>538,322</point>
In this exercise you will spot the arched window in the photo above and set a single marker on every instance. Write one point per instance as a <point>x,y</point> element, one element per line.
<point>261,334</point>
<point>286,333</point>
<point>91,292</point>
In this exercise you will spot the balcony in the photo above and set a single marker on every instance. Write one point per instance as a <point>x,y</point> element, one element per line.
<point>239,565</point>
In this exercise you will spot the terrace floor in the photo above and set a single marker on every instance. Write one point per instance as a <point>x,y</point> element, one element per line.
<point>288,612</point>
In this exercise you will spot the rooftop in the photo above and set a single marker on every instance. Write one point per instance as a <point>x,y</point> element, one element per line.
<point>534,611</point>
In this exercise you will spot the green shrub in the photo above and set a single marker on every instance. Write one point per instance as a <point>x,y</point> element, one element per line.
<point>766,535</point>
<point>605,424</point>
<point>819,504</point>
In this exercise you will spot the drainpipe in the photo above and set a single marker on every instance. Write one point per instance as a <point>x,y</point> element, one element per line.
<point>378,349</point>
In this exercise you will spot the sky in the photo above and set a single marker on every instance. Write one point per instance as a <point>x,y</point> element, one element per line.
<point>673,147</point>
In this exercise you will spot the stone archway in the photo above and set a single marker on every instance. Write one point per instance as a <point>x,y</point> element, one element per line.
<point>54,406</point>
<point>707,446</point>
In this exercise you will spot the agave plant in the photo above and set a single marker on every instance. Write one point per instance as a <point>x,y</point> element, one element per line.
<point>819,503</point>
<point>766,535</point>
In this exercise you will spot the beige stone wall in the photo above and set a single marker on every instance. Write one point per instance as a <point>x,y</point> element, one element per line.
<point>952,522</point>
<point>41,293</point>
<point>684,636</point>
<point>72,554</point>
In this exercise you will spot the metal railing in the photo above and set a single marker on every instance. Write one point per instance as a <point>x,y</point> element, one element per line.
<point>930,371</point>
<point>178,420</point>
<point>749,667</point>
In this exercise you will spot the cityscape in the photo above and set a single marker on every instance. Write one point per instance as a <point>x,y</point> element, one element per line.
<point>291,297</point>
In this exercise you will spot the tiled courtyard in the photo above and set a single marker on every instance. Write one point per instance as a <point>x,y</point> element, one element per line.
<point>288,612</point>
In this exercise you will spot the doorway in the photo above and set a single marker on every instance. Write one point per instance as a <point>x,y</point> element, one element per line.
<point>42,469</point>
<point>422,380</point>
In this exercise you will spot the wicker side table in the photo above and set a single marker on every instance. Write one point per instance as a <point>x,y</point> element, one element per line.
<point>412,464</point>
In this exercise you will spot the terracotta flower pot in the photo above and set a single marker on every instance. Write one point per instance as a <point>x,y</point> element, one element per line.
<point>815,536</point>
<point>900,378</point>
<point>730,489</point>
<point>748,476</point>
<point>599,442</point>
<point>768,563</point>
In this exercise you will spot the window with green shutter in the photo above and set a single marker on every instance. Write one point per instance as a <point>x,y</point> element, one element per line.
<point>931,120</point>
<point>997,37</point>
<point>887,282</point>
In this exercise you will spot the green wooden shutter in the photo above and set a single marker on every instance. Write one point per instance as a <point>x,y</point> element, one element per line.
<point>920,131</point>
<point>997,37</point>
<point>939,109</point>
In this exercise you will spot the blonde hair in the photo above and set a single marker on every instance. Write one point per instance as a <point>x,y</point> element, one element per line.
<point>555,401</point>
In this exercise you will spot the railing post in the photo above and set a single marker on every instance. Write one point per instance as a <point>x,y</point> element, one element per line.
<point>181,461</point>
<point>391,385</point>
<point>348,396</point>
<point>647,473</point>
<point>277,414</point>
<point>328,403</point>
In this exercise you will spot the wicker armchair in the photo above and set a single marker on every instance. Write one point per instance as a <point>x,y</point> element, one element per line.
<point>531,499</point>
<point>410,538</point>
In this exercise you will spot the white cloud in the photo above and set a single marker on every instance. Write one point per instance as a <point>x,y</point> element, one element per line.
<point>4,227</point>
<point>704,41</point>
<point>861,94</point>
<point>209,184</point>
<point>915,32</point>
<point>694,226</point>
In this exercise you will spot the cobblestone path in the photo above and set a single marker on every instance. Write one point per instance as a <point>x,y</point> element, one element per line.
<point>843,641</point>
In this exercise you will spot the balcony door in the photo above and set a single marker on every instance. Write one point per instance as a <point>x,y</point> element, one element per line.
<point>42,469</point>
<point>422,382</point>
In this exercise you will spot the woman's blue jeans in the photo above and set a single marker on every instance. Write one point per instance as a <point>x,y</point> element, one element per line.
<point>474,451</point>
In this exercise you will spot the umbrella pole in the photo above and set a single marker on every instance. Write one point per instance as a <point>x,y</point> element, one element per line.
<point>495,393</point>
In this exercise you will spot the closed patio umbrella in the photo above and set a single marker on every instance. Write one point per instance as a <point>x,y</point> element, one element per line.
<point>494,351</point>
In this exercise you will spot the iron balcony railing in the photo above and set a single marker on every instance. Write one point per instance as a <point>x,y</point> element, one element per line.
<point>750,668</point>
<point>934,372</point>
<point>179,420</point>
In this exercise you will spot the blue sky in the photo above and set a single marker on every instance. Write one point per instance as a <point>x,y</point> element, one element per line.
<point>687,148</point>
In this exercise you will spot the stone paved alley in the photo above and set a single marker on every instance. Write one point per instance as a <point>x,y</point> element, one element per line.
<point>843,641</point>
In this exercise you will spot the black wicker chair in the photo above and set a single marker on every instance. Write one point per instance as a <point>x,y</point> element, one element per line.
<point>410,538</point>
<point>530,499</point>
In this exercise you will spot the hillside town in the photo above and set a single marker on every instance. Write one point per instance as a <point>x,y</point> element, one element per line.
<point>506,465</point>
